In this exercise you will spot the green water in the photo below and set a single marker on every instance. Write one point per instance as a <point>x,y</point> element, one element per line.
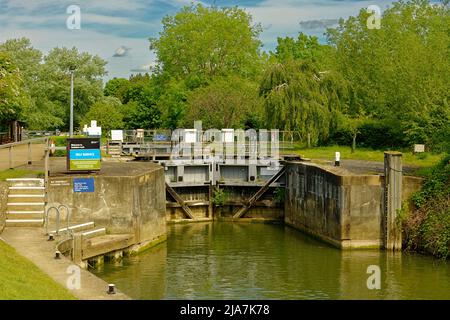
<point>260,261</point>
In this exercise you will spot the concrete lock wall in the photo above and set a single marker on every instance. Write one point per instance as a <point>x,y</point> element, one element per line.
<point>121,204</point>
<point>343,210</point>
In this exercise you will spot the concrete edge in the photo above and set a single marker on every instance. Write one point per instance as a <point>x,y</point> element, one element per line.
<point>188,221</point>
<point>251,220</point>
<point>141,247</point>
<point>339,244</point>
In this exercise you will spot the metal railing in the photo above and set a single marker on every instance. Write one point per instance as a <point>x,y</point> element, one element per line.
<point>58,218</point>
<point>159,142</point>
<point>16,155</point>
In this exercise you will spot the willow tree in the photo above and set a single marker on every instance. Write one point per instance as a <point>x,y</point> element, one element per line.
<point>298,96</point>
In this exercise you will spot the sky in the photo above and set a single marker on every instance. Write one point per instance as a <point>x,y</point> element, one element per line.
<point>118,30</point>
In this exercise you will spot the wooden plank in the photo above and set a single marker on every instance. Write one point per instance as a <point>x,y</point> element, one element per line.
<point>258,194</point>
<point>106,244</point>
<point>180,201</point>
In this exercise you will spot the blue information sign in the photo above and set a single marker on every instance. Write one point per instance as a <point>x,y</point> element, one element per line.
<point>83,185</point>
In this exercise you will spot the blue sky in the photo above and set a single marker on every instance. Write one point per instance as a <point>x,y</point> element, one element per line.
<point>118,30</point>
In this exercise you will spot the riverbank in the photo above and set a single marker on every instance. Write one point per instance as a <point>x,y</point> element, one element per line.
<point>21,279</point>
<point>427,228</point>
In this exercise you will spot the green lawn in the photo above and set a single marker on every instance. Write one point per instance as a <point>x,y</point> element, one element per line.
<point>19,173</point>
<point>22,280</point>
<point>421,160</point>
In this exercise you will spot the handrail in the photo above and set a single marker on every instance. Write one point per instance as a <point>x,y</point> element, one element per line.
<point>68,215</point>
<point>14,144</point>
<point>58,218</point>
<point>47,220</point>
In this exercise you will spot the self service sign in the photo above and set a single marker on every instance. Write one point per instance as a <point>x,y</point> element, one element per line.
<point>83,154</point>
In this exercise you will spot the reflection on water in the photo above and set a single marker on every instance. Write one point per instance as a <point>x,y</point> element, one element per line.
<point>260,261</point>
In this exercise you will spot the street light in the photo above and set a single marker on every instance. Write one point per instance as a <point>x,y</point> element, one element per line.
<point>71,70</point>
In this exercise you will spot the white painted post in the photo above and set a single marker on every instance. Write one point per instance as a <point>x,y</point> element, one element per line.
<point>337,161</point>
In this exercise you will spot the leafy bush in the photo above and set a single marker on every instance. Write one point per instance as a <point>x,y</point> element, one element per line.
<point>380,135</point>
<point>436,185</point>
<point>219,197</point>
<point>279,195</point>
<point>428,227</point>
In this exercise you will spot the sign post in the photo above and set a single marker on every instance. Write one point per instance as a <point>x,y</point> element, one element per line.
<point>83,154</point>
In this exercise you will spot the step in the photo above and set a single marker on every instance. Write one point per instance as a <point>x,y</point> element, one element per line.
<point>26,188</point>
<point>77,227</point>
<point>24,223</point>
<point>26,197</point>
<point>24,179</point>
<point>26,182</point>
<point>25,206</point>
<point>26,191</point>
<point>24,216</point>
<point>93,233</point>
<point>25,212</point>
<point>21,204</point>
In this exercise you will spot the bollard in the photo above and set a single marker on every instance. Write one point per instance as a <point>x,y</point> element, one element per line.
<point>111,289</point>
<point>57,255</point>
<point>51,237</point>
<point>337,161</point>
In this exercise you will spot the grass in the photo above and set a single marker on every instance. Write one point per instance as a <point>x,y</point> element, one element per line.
<point>19,173</point>
<point>423,161</point>
<point>22,280</point>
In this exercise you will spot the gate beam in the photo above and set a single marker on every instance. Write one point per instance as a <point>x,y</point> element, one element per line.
<point>258,194</point>
<point>180,201</point>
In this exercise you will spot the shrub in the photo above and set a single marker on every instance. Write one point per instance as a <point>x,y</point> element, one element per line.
<point>428,227</point>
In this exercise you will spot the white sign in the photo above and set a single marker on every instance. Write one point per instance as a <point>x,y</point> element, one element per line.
<point>190,135</point>
<point>419,148</point>
<point>228,135</point>
<point>93,130</point>
<point>117,135</point>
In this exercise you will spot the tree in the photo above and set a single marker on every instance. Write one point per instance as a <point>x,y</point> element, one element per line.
<point>305,49</point>
<point>225,103</point>
<point>400,73</point>
<point>116,88</point>
<point>88,74</point>
<point>297,96</point>
<point>107,113</point>
<point>12,96</point>
<point>46,80</point>
<point>204,42</point>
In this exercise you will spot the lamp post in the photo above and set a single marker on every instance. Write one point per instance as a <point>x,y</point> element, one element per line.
<point>71,70</point>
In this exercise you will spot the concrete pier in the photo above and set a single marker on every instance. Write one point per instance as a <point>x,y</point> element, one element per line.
<point>393,200</point>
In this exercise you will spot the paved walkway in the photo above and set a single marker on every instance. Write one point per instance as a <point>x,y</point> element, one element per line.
<point>366,167</point>
<point>32,244</point>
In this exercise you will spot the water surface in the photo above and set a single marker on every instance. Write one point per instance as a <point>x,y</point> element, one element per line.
<point>261,261</point>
